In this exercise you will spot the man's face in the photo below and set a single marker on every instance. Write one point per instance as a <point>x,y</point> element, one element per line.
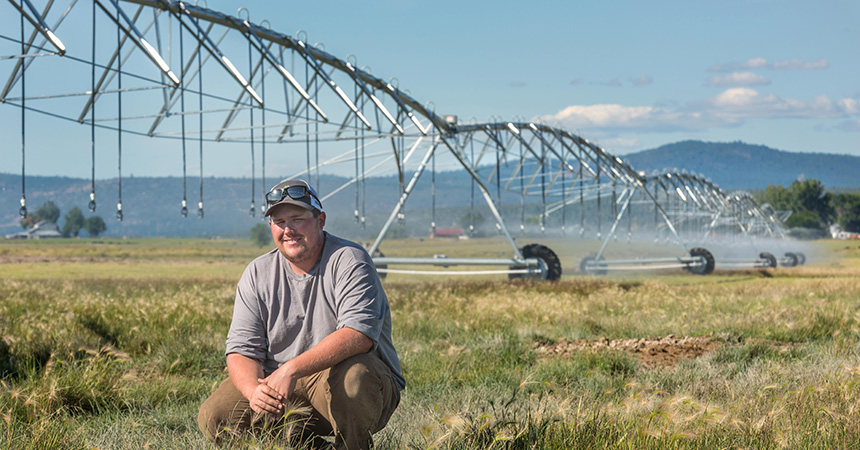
<point>297,234</point>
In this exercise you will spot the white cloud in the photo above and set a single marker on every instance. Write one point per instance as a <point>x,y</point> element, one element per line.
<point>849,105</point>
<point>762,63</point>
<point>738,79</point>
<point>580,116</point>
<point>729,108</point>
<point>748,103</point>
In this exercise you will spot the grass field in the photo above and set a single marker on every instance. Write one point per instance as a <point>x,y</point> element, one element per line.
<point>113,344</point>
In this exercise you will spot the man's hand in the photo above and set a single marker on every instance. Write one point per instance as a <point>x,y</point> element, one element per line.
<point>266,400</point>
<point>247,375</point>
<point>333,349</point>
<point>282,381</point>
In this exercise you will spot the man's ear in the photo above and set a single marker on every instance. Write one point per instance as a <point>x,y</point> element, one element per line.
<point>322,219</point>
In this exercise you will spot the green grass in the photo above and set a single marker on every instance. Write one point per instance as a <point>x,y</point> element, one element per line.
<point>115,344</point>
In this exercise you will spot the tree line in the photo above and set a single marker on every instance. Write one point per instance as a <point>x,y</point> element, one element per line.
<point>74,220</point>
<point>812,206</point>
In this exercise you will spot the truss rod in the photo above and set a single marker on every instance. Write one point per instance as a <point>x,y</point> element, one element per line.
<point>39,23</point>
<point>138,39</point>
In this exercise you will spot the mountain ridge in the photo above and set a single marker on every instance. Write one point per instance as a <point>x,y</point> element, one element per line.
<point>738,165</point>
<point>151,205</point>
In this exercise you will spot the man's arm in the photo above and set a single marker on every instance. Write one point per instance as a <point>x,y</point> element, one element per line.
<point>335,348</point>
<point>247,375</point>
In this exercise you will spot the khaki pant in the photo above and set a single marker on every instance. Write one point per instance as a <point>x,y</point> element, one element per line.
<point>350,400</point>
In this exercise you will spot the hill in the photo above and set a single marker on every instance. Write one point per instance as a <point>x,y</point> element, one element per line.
<point>737,165</point>
<point>152,205</point>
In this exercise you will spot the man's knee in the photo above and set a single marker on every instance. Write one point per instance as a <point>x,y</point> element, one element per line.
<point>363,383</point>
<point>223,413</point>
<point>209,421</point>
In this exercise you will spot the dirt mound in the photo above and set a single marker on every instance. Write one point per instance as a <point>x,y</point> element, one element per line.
<point>653,352</point>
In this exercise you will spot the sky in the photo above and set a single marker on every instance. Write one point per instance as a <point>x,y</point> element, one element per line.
<point>629,75</point>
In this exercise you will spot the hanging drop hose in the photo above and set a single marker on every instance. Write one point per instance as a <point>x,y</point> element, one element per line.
<point>433,195</point>
<point>522,192</point>
<point>357,173</point>
<point>119,214</point>
<point>581,194</point>
<point>307,128</point>
<point>23,211</point>
<point>363,182</point>
<point>253,211</point>
<point>563,199</point>
<point>472,190</point>
<point>184,210</point>
<point>200,125</point>
<point>599,222</point>
<point>263,187</point>
<point>543,187</point>
<point>92,204</point>
<point>317,150</point>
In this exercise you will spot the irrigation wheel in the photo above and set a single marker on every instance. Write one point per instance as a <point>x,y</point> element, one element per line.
<point>801,258</point>
<point>705,269</point>
<point>769,259</point>
<point>791,259</point>
<point>550,265</point>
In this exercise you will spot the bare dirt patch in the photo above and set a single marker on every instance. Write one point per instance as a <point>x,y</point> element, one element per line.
<point>652,352</point>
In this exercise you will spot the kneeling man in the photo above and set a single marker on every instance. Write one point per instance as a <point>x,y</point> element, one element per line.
<point>311,326</point>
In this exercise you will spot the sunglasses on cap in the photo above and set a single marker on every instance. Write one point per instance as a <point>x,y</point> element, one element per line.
<point>296,192</point>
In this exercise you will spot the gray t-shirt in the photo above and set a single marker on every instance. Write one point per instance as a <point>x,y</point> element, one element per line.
<point>279,314</point>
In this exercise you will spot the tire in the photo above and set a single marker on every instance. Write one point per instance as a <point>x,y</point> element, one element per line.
<point>587,261</point>
<point>550,264</point>
<point>801,258</point>
<point>706,269</point>
<point>791,260</point>
<point>769,259</point>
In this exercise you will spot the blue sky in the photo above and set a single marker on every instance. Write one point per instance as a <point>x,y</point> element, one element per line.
<point>629,75</point>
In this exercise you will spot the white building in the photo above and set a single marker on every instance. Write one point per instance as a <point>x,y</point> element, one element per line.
<point>42,230</point>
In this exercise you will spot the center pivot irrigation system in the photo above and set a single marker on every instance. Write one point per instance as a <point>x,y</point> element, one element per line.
<point>196,78</point>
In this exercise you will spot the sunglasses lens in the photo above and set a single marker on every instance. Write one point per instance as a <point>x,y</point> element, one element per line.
<point>274,196</point>
<point>296,192</point>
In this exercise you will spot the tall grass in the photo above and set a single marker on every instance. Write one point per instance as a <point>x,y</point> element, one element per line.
<point>123,360</point>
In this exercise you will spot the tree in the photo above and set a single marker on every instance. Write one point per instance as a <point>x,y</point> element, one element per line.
<point>811,205</point>
<point>95,225</point>
<point>778,197</point>
<point>74,222</point>
<point>48,211</point>
<point>809,195</point>
<point>261,234</point>
<point>847,207</point>
<point>804,219</point>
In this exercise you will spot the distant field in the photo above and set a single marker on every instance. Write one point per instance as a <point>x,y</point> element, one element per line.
<point>113,344</point>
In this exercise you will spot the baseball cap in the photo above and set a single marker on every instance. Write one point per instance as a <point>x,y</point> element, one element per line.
<point>293,192</point>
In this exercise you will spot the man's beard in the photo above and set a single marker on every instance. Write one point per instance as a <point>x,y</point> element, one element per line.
<point>304,252</point>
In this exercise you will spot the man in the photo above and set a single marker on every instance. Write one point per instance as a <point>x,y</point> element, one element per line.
<point>311,324</point>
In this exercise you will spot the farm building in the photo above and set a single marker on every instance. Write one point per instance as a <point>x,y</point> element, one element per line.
<point>42,230</point>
